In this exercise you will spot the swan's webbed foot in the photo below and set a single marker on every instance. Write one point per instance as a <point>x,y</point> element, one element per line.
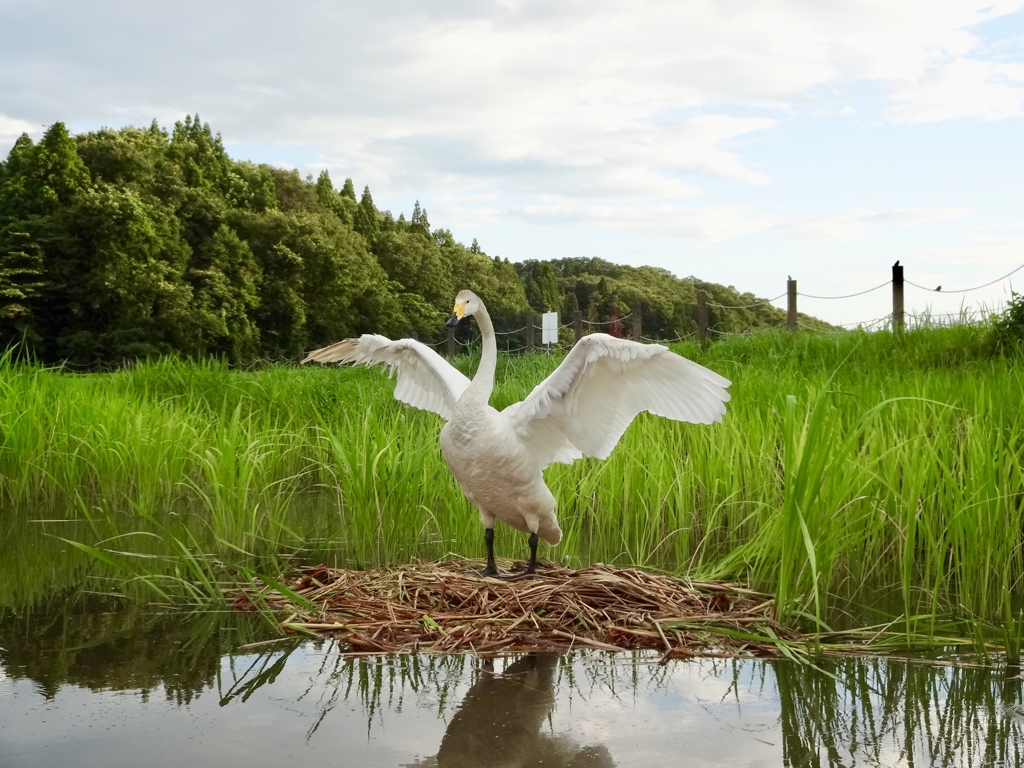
<point>491,571</point>
<point>531,567</point>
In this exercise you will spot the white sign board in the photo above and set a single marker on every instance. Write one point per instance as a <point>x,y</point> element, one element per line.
<point>549,328</point>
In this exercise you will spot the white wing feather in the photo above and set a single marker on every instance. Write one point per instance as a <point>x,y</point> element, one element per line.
<point>425,379</point>
<point>585,405</point>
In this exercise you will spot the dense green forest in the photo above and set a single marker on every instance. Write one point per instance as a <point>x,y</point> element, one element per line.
<point>120,244</point>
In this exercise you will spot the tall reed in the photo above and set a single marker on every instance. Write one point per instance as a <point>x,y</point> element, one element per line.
<point>875,470</point>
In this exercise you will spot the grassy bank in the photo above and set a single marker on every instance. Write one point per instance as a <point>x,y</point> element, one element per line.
<point>867,470</point>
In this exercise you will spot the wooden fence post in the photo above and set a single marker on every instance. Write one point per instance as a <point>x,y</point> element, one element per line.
<point>529,334</point>
<point>702,317</point>
<point>638,328</point>
<point>577,324</point>
<point>451,342</point>
<point>897,296</point>
<point>791,304</point>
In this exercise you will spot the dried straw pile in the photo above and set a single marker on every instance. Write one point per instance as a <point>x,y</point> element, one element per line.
<point>448,607</point>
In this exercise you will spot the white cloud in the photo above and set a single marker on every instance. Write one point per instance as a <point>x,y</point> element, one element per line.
<point>594,97</point>
<point>979,249</point>
<point>706,224</point>
<point>962,88</point>
<point>858,224</point>
<point>11,128</point>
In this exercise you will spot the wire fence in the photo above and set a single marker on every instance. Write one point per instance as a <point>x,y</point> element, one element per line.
<point>711,324</point>
<point>705,324</point>
<point>898,318</point>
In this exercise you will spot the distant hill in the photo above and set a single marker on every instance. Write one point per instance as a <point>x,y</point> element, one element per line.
<point>602,290</point>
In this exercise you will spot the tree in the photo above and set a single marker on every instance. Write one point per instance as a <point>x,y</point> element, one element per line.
<point>569,307</point>
<point>119,290</point>
<point>542,289</point>
<point>200,153</point>
<point>21,271</point>
<point>330,200</point>
<point>18,158</point>
<point>251,187</point>
<point>344,287</point>
<point>21,256</point>
<point>422,278</point>
<point>225,281</point>
<point>419,222</point>
<point>39,179</point>
<point>348,190</point>
<point>14,176</point>
<point>281,312</point>
<point>293,193</point>
<point>40,186</point>
<point>131,157</point>
<point>367,219</point>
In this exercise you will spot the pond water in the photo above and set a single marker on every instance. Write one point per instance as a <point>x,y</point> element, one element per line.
<point>104,689</point>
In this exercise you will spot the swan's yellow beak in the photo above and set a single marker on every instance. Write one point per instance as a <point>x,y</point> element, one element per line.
<point>458,314</point>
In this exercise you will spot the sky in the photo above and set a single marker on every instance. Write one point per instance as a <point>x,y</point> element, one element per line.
<point>738,141</point>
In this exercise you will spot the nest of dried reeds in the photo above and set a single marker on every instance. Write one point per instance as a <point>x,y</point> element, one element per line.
<point>449,607</point>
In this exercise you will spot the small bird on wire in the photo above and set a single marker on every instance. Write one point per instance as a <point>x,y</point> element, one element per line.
<point>581,409</point>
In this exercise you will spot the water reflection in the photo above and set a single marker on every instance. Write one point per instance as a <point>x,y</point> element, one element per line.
<point>499,722</point>
<point>900,713</point>
<point>97,647</point>
<point>167,691</point>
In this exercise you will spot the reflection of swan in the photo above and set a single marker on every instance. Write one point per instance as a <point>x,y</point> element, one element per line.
<point>581,409</point>
<point>499,722</point>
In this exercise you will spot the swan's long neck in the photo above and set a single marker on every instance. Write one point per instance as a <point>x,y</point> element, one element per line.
<point>483,380</point>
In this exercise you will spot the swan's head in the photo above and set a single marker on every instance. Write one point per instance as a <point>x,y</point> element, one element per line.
<point>467,303</point>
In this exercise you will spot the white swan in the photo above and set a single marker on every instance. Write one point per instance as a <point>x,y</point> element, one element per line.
<point>581,409</point>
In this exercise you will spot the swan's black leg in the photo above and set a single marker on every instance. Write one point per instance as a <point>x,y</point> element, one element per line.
<point>491,569</point>
<point>532,567</point>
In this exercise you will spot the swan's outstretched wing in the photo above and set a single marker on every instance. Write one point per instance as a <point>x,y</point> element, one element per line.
<point>425,379</point>
<point>585,405</point>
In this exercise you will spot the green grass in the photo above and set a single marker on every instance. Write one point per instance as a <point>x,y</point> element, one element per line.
<point>876,475</point>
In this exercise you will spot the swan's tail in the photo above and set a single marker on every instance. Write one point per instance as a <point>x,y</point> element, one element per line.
<point>549,531</point>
